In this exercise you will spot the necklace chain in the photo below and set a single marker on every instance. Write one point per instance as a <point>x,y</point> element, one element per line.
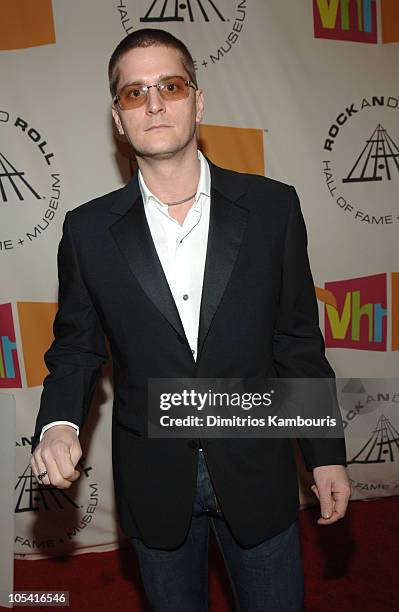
<point>180,201</point>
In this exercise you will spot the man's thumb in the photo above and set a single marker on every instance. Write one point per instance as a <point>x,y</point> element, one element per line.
<point>326,504</point>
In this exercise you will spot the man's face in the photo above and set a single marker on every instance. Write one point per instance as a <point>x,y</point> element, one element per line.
<point>159,128</point>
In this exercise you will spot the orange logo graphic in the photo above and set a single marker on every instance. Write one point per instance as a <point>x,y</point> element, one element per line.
<point>26,24</point>
<point>239,149</point>
<point>390,20</point>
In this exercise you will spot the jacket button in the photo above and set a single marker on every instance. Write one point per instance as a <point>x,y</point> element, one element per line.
<point>193,444</point>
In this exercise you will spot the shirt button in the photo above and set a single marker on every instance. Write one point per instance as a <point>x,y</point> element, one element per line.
<point>185,296</point>
<point>193,351</point>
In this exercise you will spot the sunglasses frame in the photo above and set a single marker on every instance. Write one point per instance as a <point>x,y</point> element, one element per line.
<point>187,82</point>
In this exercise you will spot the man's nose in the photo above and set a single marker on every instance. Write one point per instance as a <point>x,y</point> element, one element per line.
<point>155,103</point>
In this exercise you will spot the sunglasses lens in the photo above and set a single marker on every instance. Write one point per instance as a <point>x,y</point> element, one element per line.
<point>131,96</point>
<point>174,88</point>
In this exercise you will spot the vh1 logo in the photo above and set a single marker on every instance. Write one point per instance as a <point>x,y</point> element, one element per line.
<point>34,320</point>
<point>356,20</point>
<point>356,312</point>
<point>10,375</point>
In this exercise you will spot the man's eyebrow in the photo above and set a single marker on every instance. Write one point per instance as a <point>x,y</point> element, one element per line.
<point>143,82</point>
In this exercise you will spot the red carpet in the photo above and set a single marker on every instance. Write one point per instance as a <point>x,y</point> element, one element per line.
<point>351,566</point>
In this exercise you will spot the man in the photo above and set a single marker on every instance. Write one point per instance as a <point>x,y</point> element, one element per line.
<point>191,271</point>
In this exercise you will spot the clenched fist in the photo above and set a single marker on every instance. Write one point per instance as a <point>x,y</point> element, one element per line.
<point>58,453</point>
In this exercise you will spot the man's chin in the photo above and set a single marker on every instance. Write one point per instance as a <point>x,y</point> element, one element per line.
<point>160,153</point>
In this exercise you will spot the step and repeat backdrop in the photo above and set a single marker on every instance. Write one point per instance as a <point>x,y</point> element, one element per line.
<point>305,92</point>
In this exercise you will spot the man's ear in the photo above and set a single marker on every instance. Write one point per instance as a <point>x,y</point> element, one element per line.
<point>117,120</point>
<point>199,105</point>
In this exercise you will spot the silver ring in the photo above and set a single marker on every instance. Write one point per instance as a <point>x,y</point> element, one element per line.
<point>42,475</point>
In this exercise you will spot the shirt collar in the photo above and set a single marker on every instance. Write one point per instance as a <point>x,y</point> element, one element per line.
<point>204,185</point>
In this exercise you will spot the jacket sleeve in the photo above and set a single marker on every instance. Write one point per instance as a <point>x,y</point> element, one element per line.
<point>78,351</point>
<point>298,344</point>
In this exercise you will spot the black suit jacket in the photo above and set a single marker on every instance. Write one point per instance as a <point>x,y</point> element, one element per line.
<point>258,318</point>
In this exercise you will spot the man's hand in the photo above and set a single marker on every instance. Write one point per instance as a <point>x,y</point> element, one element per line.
<point>332,489</point>
<point>58,453</point>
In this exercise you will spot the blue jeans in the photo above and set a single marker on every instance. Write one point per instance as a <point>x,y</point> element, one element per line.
<point>266,577</point>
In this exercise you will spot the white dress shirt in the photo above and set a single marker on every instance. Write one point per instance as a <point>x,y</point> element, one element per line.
<point>182,251</point>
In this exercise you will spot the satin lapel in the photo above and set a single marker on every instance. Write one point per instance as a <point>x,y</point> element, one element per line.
<point>226,229</point>
<point>133,237</point>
